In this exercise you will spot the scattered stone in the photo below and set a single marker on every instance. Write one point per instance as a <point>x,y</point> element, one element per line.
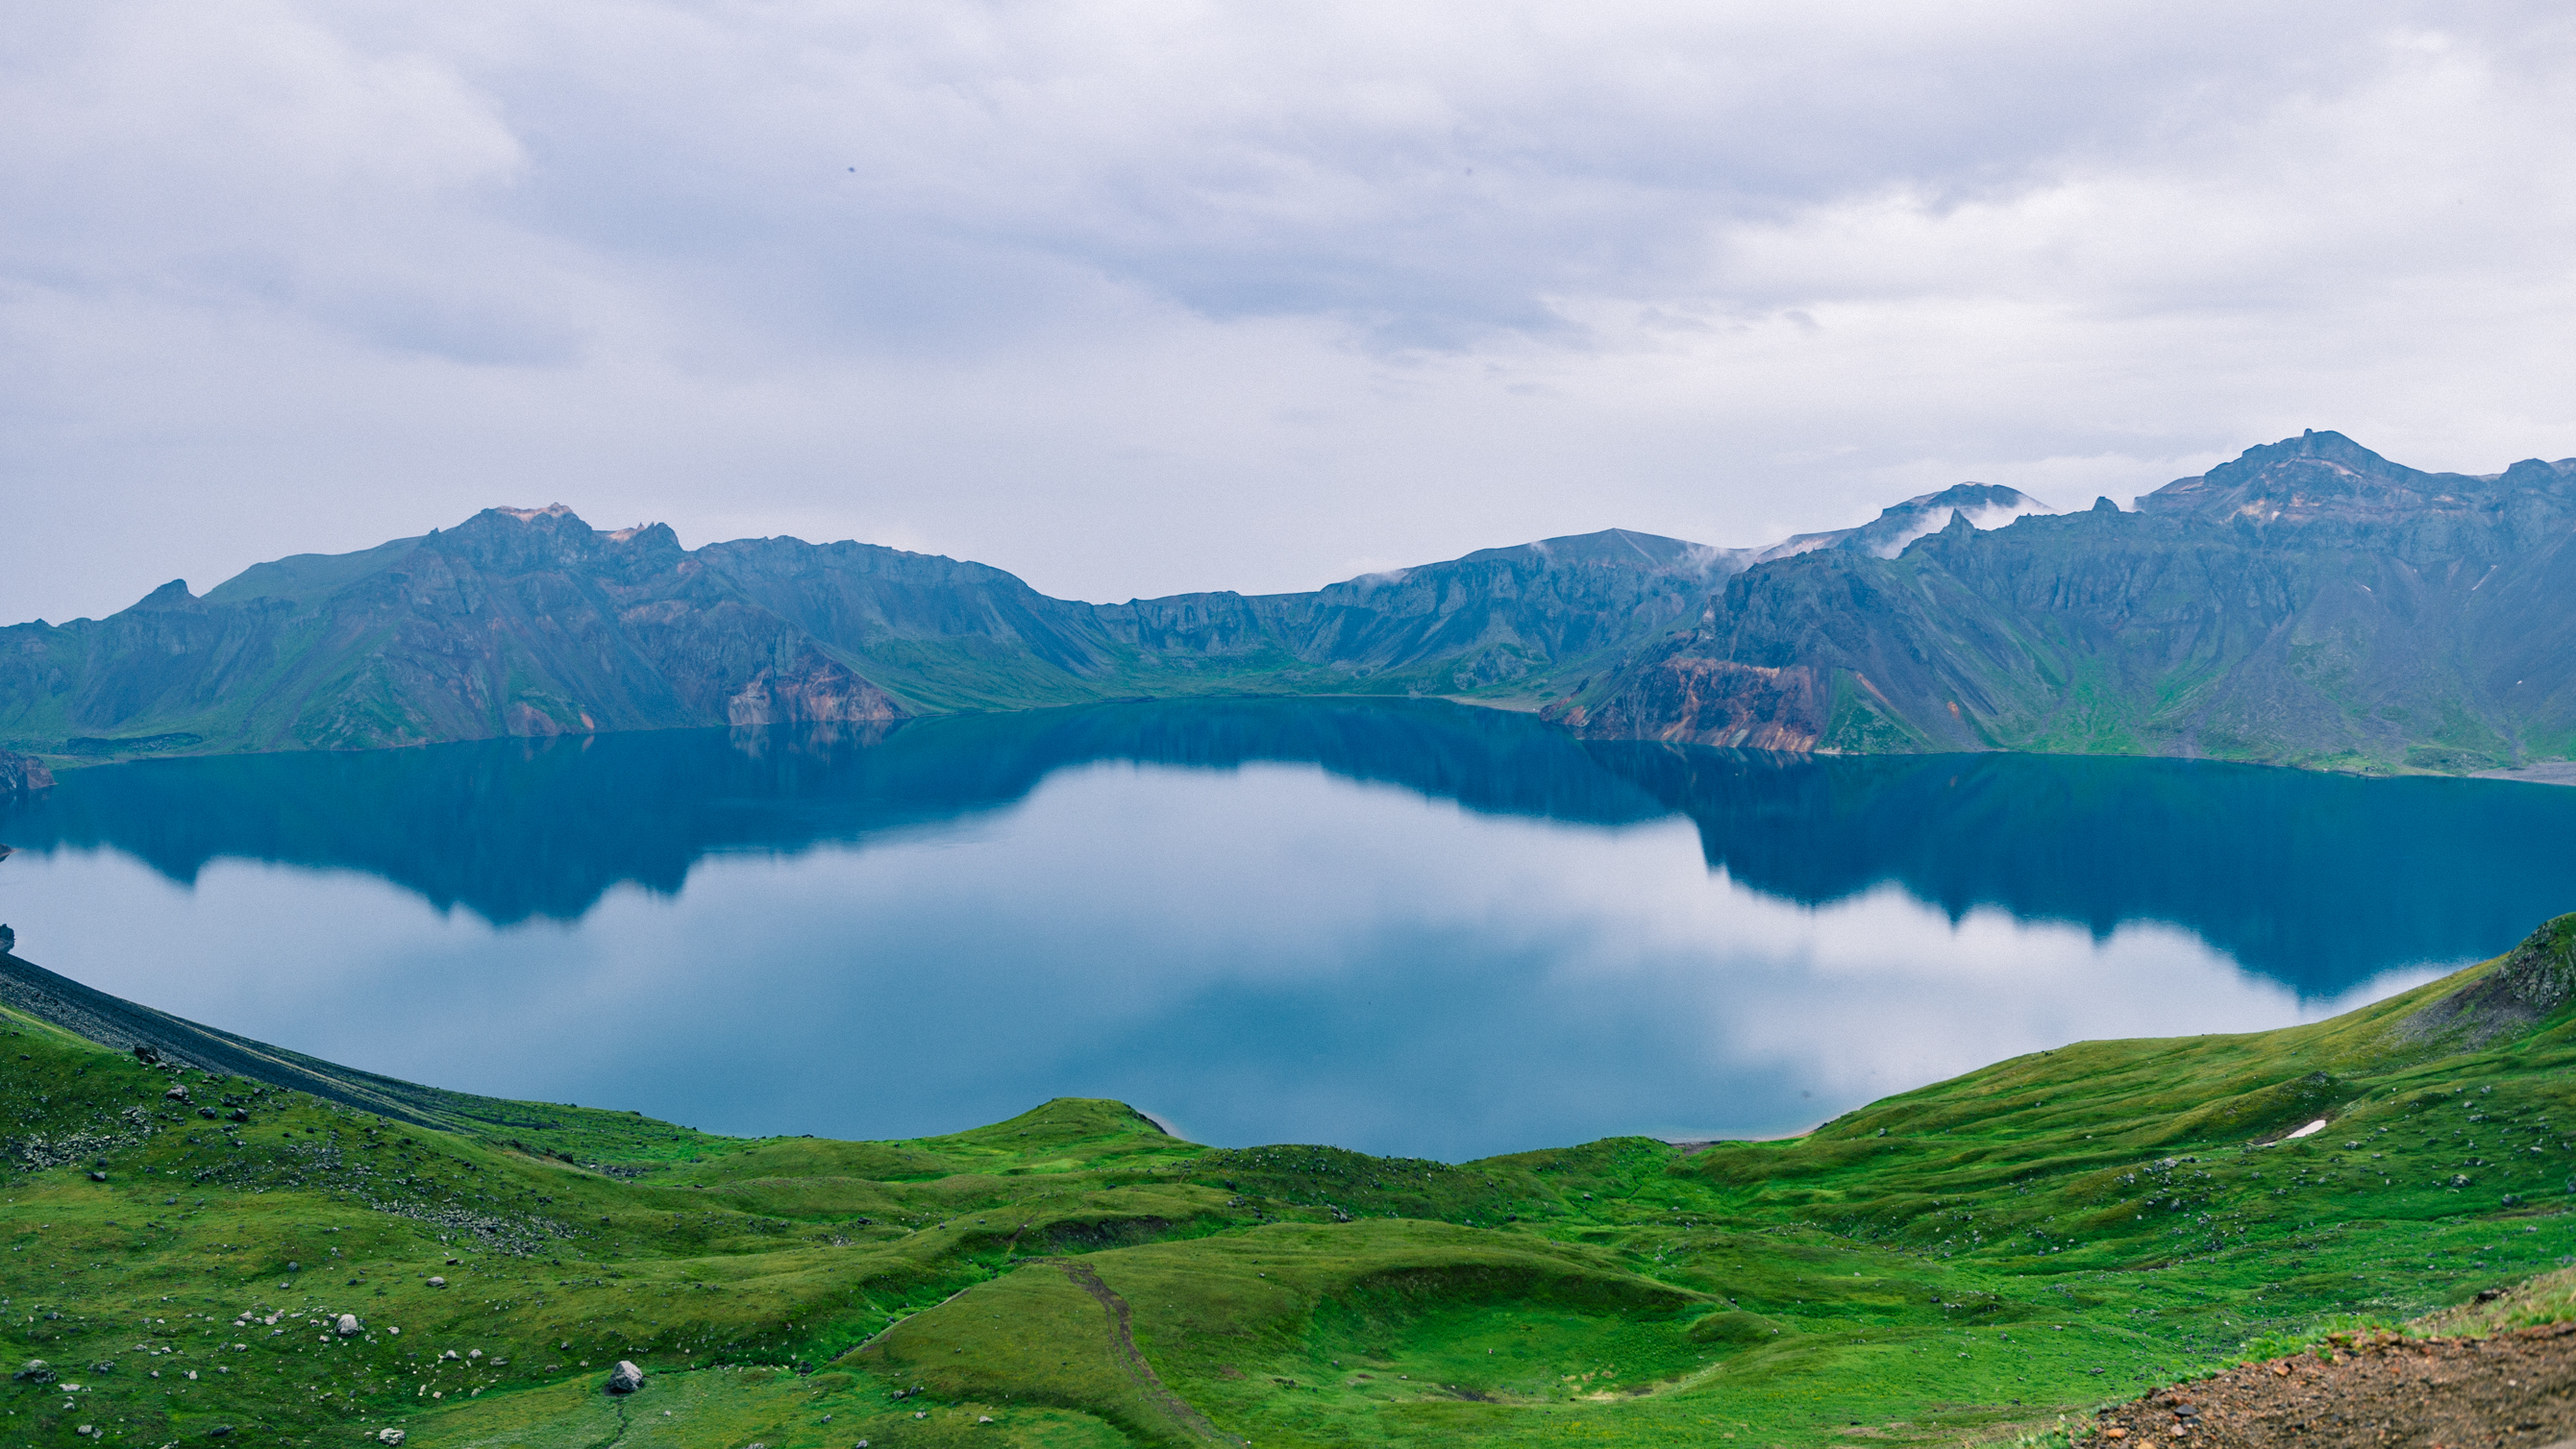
<point>626,1378</point>
<point>98,1177</point>
<point>437,1282</point>
<point>389,1436</point>
<point>348,1326</point>
<point>178,1093</point>
<point>146,1055</point>
<point>36,1371</point>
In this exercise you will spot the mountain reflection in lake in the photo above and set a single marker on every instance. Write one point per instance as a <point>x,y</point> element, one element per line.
<point>1411,928</point>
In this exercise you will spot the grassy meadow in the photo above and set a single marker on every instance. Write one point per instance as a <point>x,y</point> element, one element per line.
<point>1961,1263</point>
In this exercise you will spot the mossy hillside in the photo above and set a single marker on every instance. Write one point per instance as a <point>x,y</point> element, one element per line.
<point>1992,1250</point>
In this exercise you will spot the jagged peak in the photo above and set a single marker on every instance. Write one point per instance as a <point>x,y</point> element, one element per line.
<point>2319,474</point>
<point>531,515</point>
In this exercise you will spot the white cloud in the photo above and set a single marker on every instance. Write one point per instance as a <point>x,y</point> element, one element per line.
<point>1135,300</point>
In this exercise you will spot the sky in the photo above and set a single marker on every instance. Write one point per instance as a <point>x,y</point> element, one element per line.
<point>1137,299</point>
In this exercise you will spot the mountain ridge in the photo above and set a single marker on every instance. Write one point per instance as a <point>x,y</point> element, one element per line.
<point>2308,603</point>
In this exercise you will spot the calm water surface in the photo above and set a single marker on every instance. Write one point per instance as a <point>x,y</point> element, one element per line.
<point>1404,928</point>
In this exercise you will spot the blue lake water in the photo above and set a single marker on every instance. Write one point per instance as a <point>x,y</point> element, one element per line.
<point>1406,928</point>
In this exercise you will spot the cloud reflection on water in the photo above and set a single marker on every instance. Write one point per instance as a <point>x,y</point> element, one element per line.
<point>1266,953</point>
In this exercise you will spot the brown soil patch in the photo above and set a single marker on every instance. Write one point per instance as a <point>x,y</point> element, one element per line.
<point>2435,1393</point>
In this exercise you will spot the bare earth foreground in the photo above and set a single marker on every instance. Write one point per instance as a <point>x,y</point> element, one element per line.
<point>2457,1393</point>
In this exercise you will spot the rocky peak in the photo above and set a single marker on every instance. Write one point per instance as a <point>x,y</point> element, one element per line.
<point>2314,476</point>
<point>519,540</point>
<point>1969,505</point>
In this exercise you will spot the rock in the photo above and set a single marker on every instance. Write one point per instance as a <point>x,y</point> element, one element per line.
<point>348,1326</point>
<point>389,1436</point>
<point>147,1056</point>
<point>436,1282</point>
<point>177,1093</point>
<point>20,775</point>
<point>35,1371</point>
<point>626,1378</point>
<point>98,1177</point>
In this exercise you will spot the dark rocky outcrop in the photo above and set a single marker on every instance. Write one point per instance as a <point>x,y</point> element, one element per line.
<point>2519,992</point>
<point>20,775</point>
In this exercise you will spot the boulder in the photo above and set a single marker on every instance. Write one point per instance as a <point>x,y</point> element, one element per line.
<point>626,1378</point>
<point>35,1371</point>
<point>389,1436</point>
<point>348,1326</point>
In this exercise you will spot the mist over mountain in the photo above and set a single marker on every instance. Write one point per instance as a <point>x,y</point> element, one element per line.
<point>2309,603</point>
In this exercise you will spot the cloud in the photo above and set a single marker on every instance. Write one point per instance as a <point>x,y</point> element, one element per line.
<point>1135,300</point>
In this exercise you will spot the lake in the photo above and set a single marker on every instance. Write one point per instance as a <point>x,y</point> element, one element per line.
<point>1409,928</point>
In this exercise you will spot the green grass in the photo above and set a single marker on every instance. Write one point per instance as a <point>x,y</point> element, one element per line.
<point>1962,1263</point>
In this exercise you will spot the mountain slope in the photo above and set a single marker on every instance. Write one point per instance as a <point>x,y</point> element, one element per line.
<point>2310,603</point>
<point>529,622</point>
<point>1986,1251</point>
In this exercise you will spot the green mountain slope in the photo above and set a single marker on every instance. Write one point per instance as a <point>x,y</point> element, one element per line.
<point>2021,1241</point>
<point>2310,603</point>
<point>529,622</point>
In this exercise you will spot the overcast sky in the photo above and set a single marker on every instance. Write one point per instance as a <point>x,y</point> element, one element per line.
<point>1132,299</point>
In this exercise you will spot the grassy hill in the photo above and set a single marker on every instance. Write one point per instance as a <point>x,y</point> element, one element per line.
<point>1980,1254</point>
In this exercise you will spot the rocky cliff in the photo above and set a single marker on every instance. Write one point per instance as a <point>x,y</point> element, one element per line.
<point>2309,603</point>
<point>530,622</point>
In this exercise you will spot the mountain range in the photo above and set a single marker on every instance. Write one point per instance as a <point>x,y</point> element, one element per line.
<point>2309,603</point>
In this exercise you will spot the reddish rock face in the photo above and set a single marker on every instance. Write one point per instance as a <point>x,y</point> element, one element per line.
<point>20,775</point>
<point>1692,699</point>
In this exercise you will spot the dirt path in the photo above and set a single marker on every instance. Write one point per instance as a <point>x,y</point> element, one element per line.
<point>2515,1388</point>
<point>1122,1337</point>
